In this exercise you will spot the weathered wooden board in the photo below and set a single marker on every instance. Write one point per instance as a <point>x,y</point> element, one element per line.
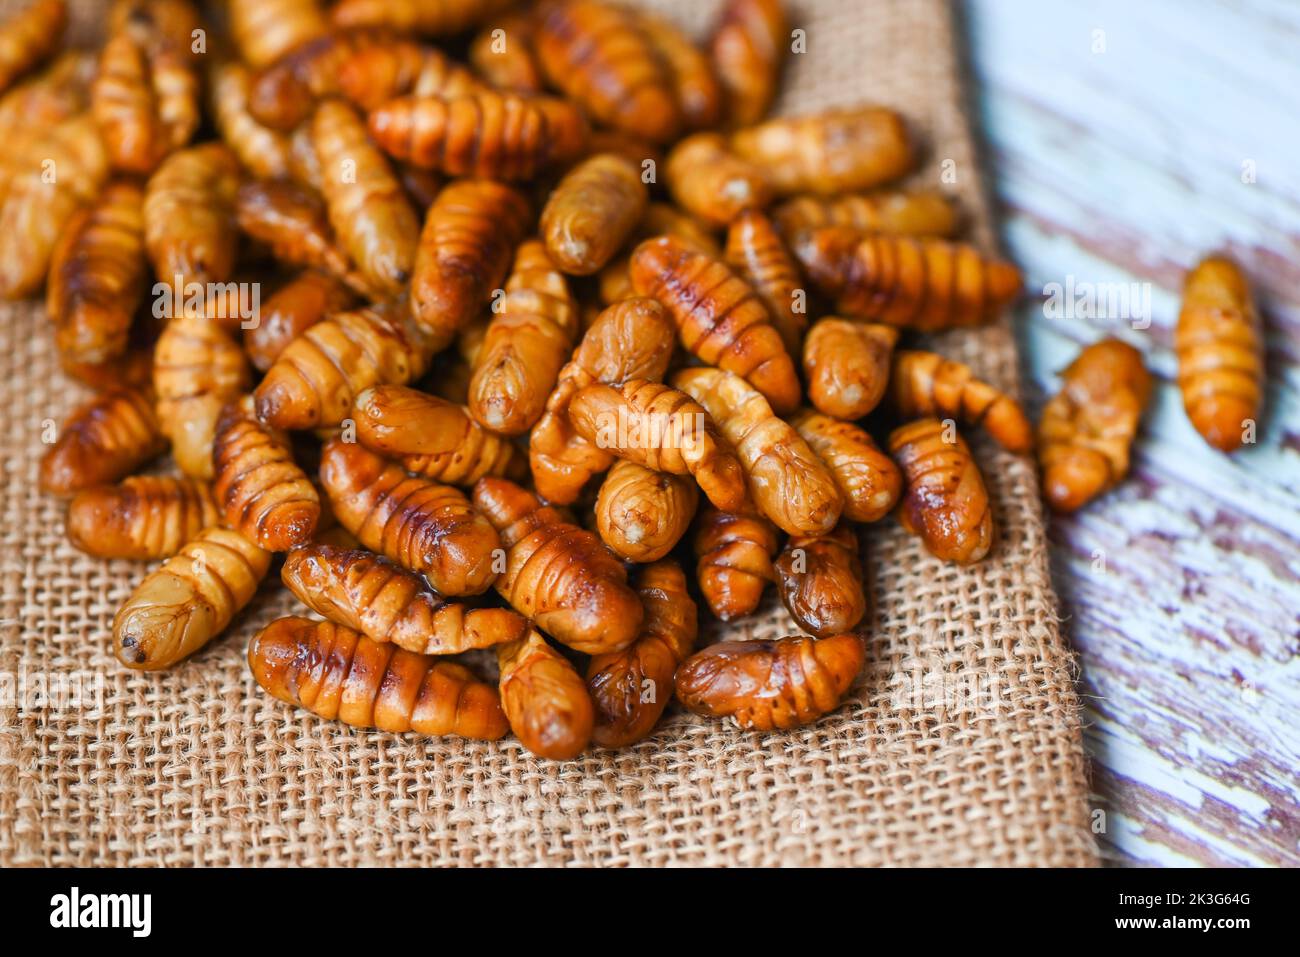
<point>1128,139</point>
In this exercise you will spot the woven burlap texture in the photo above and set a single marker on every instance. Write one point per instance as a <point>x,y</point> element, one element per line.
<point>959,744</point>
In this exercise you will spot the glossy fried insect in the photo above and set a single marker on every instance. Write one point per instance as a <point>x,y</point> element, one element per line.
<point>189,216</point>
<point>433,437</point>
<point>711,182</point>
<point>788,482</point>
<point>57,93</point>
<point>846,365</point>
<point>599,55</point>
<point>262,492</point>
<point>544,698</point>
<point>836,151</point>
<point>923,283</point>
<point>374,74</point>
<point>421,525</point>
<point>921,213</point>
<point>821,582</point>
<point>131,370</point>
<point>182,605</point>
<point>719,317</point>
<point>198,368</point>
<point>433,18</point>
<point>175,24</point>
<point>747,48</point>
<point>696,86</point>
<point>926,384</point>
<point>1220,354</point>
<point>1087,428</point>
<point>757,253</point>
<point>557,574</point>
<point>337,673</point>
<point>763,685</point>
<point>592,211</point>
<point>945,502</point>
<point>143,517</point>
<point>103,439</point>
<point>734,552</point>
<point>660,219</point>
<point>630,689</point>
<point>283,95</point>
<point>389,603</point>
<point>641,514</point>
<point>96,276</point>
<point>868,478</point>
<point>265,30</point>
<point>302,302</point>
<point>29,37</point>
<point>263,151</point>
<point>502,53</point>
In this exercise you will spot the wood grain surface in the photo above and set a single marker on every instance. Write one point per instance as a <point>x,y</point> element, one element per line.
<point>1127,140</point>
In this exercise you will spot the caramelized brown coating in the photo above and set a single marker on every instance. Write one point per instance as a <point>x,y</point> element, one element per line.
<point>421,525</point>
<point>631,688</point>
<point>632,339</point>
<point>846,365</point>
<point>544,698</point>
<point>836,151</point>
<point>469,236</point>
<point>284,94</point>
<point>734,552</point>
<point>1220,353</point>
<point>945,503</point>
<point>189,600</point>
<point>709,181</point>
<point>921,213</point>
<point>1087,428</point>
<point>719,317</point>
<point>294,308</point>
<point>96,276</point>
<point>696,86</point>
<point>502,53</point>
<point>389,603</point>
<point>526,344</point>
<point>642,514</point>
<point>788,482</point>
<point>660,219</point>
<point>189,215</point>
<point>922,283</point>
<point>747,48</point>
<point>375,74</point>
<point>756,251</point>
<point>599,55</point>
<point>56,93</point>
<point>433,437</point>
<point>926,384</point>
<point>30,36</point>
<point>557,574</point>
<point>432,18</point>
<point>263,151</point>
<point>821,582</point>
<point>169,23</point>
<point>143,517</point>
<point>592,211</point>
<point>336,673</point>
<point>132,370</point>
<point>265,30</point>
<point>868,478</point>
<point>762,685</point>
<point>103,439</point>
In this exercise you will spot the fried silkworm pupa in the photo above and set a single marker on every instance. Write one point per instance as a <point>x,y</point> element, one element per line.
<point>696,86</point>
<point>747,48</point>
<point>756,251</point>
<point>368,208</point>
<point>262,492</point>
<point>599,55</point>
<point>198,368</point>
<point>544,698</point>
<point>926,384</point>
<point>189,600</point>
<point>373,75</point>
<point>469,235</point>
<point>169,23</point>
<point>104,439</point>
<point>719,317</point>
<point>945,502</point>
<point>54,94</point>
<point>389,603</point>
<point>189,216</point>
<point>291,310</point>
<point>525,346</point>
<point>131,370</point>
<point>837,151</point>
<point>765,685</point>
<point>264,152</point>
<point>920,213</point>
<point>431,18</point>
<point>709,181</point>
<point>734,552</point>
<point>788,482</point>
<point>641,514</point>
<point>631,688</point>
<point>660,219</point>
<point>502,53</point>
<point>432,437</point>
<point>314,381</point>
<point>919,283</point>
<point>426,527</point>
<point>284,94</point>
<point>846,365</point>
<point>557,574</point>
<point>143,517</point>
<point>29,37</point>
<point>1220,353</point>
<point>821,582</point>
<point>868,478</point>
<point>96,276</point>
<point>265,30</point>
<point>1087,428</point>
<point>592,211</point>
<point>660,428</point>
<point>337,673</point>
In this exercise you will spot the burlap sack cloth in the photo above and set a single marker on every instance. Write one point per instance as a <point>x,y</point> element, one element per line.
<point>959,744</point>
